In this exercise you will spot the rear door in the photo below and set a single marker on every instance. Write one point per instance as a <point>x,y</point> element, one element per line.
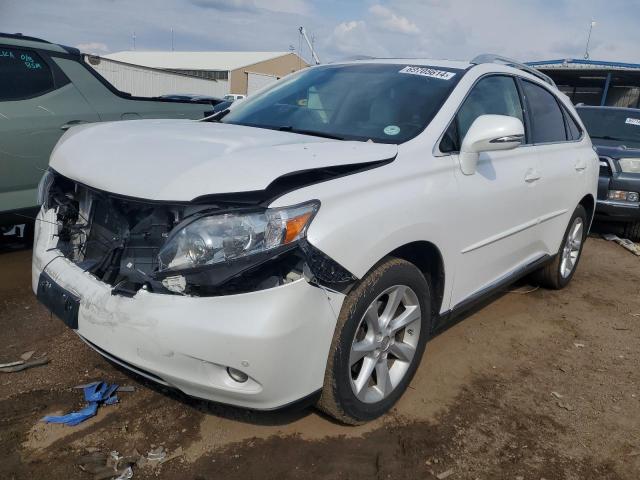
<point>496,212</point>
<point>563,162</point>
<point>38,104</point>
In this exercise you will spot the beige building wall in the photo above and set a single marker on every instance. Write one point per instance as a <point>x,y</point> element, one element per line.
<point>281,66</point>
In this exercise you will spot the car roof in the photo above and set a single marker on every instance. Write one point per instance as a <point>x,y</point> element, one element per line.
<point>19,40</point>
<point>431,62</point>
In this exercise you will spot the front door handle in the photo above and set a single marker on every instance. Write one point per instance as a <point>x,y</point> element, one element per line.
<point>580,165</point>
<point>71,123</point>
<point>532,175</point>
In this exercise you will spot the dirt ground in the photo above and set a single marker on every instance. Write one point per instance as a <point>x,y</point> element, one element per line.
<point>538,385</point>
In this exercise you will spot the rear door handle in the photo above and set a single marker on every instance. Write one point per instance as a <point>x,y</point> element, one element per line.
<point>532,176</point>
<point>580,165</point>
<point>71,123</point>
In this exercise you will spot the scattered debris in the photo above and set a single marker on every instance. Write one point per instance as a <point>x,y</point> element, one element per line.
<point>523,291</point>
<point>635,314</point>
<point>126,474</point>
<point>625,243</point>
<point>622,329</point>
<point>27,355</point>
<point>126,388</point>
<point>24,364</point>
<point>114,466</point>
<point>445,474</point>
<point>579,345</point>
<point>566,406</point>
<point>95,393</point>
<point>156,455</point>
<point>556,394</point>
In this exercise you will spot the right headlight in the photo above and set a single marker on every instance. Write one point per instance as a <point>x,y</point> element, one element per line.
<point>630,165</point>
<point>218,238</point>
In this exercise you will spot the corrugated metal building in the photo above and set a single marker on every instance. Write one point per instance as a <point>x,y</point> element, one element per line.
<point>245,71</point>
<point>595,82</point>
<point>152,82</point>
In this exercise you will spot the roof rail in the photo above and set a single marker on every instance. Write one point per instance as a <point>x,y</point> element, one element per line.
<point>491,58</point>
<point>19,36</point>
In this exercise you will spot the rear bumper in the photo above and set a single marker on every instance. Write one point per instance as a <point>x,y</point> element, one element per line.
<point>610,210</point>
<point>279,337</point>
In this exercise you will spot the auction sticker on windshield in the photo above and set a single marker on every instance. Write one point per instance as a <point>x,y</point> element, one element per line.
<point>633,121</point>
<point>428,72</point>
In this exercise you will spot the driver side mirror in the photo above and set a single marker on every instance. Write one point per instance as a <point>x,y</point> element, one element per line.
<point>489,133</point>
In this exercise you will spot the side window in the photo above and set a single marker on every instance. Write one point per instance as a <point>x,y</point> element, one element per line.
<point>495,95</point>
<point>574,132</point>
<point>23,74</point>
<point>547,121</point>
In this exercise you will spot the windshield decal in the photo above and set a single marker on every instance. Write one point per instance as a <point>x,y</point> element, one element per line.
<point>633,121</point>
<point>391,130</point>
<point>428,72</point>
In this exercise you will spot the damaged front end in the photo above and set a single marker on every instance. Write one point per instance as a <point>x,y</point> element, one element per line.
<point>189,248</point>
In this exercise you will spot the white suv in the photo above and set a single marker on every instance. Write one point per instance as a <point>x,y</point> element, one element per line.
<point>308,242</point>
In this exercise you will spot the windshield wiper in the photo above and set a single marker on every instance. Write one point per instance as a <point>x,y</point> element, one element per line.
<point>289,128</point>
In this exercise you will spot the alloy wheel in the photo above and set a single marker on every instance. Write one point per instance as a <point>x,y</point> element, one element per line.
<point>385,343</point>
<point>572,246</point>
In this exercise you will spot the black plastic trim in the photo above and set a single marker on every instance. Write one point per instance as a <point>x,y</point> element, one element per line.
<point>482,298</point>
<point>290,182</point>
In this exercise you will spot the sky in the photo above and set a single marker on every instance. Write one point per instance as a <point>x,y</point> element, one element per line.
<point>455,29</point>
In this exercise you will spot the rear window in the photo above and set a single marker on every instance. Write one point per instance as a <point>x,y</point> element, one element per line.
<point>614,126</point>
<point>546,117</point>
<point>23,74</point>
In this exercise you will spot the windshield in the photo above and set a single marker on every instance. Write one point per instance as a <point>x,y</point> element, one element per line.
<point>384,103</point>
<point>621,126</point>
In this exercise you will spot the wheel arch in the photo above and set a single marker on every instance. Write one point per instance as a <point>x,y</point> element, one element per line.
<point>589,204</point>
<point>426,256</point>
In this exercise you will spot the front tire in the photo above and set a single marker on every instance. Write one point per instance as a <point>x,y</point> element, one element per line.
<point>378,343</point>
<point>557,274</point>
<point>632,231</point>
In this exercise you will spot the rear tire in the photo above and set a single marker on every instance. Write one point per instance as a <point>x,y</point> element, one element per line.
<point>377,346</point>
<point>632,231</point>
<point>558,273</point>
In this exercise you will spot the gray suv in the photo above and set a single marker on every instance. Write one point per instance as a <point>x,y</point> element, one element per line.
<point>45,89</point>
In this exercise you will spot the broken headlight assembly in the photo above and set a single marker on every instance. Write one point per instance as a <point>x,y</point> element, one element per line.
<point>220,238</point>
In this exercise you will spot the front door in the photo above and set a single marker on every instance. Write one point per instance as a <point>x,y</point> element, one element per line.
<point>497,216</point>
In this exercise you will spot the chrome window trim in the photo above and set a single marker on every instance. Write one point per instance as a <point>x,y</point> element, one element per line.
<point>436,148</point>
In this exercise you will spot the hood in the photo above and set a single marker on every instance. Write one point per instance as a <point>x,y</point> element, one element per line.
<point>614,150</point>
<point>184,159</point>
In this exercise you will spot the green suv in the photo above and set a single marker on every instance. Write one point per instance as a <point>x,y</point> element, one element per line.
<point>45,89</point>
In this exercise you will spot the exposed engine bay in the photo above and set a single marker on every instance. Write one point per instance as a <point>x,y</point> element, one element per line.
<point>118,240</point>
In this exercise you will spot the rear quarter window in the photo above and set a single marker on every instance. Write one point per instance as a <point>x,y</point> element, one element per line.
<point>23,74</point>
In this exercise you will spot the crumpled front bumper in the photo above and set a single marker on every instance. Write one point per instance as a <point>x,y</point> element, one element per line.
<point>279,337</point>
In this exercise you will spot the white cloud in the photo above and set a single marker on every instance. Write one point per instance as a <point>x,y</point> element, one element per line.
<point>393,22</point>
<point>92,47</point>
<point>353,38</point>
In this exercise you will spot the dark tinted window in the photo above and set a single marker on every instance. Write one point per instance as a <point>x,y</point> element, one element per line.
<point>546,116</point>
<point>612,126</point>
<point>385,103</point>
<point>573,130</point>
<point>496,95</point>
<point>23,74</point>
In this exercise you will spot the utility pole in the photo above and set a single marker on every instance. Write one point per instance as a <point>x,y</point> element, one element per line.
<point>586,50</point>
<point>303,34</point>
<point>172,39</point>
<point>134,40</point>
